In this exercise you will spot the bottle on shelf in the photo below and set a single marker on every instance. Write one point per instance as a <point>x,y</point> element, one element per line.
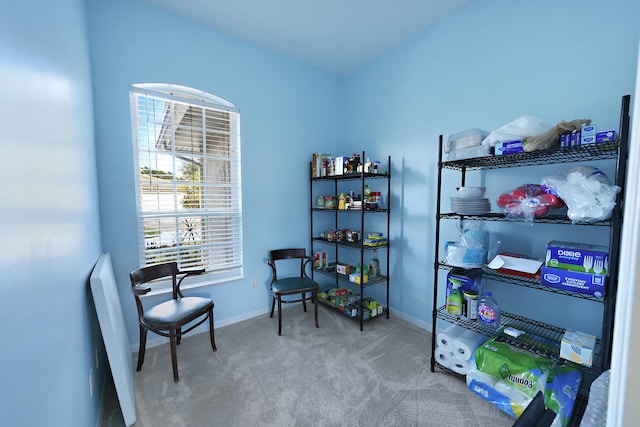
<point>342,202</point>
<point>470,305</point>
<point>489,311</point>
<point>454,300</point>
<point>367,193</point>
<point>374,265</point>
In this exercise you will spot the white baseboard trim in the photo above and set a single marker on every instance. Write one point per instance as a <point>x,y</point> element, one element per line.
<point>154,340</point>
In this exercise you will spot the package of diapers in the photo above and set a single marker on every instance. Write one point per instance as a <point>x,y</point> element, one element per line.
<point>509,374</point>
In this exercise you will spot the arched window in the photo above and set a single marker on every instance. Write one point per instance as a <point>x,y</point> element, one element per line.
<point>188,186</point>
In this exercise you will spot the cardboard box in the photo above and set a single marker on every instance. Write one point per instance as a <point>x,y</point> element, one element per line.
<point>350,310</point>
<point>578,257</point>
<point>577,347</point>
<point>338,165</point>
<point>606,136</point>
<point>589,139</point>
<point>508,147</point>
<point>343,268</point>
<point>588,130</point>
<point>355,278</point>
<point>354,298</point>
<point>465,279</point>
<point>574,139</point>
<point>374,242</point>
<point>588,135</point>
<point>574,281</point>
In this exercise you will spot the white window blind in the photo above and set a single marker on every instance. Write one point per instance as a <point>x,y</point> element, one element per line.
<point>188,186</point>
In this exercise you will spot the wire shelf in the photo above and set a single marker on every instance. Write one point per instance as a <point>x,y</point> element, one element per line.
<point>540,338</point>
<point>352,176</point>
<point>541,157</point>
<point>522,281</point>
<point>494,216</point>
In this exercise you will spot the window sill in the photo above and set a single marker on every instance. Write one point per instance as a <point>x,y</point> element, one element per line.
<point>164,287</point>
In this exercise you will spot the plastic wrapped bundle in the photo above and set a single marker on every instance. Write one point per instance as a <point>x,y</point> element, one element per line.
<point>510,377</point>
<point>596,413</point>
<point>586,190</point>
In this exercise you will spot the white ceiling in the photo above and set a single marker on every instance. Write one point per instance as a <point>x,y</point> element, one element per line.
<point>337,36</point>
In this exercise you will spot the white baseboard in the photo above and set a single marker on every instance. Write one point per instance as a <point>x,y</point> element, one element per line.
<point>154,340</point>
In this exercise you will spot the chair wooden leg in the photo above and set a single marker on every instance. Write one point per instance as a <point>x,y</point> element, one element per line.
<point>314,296</point>
<point>279,315</point>
<point>304,301</point>
<point>178,335</point>
<point>213,340</point>
<point>174,355</point>
<point>143,344</point>
<point>273,305</point>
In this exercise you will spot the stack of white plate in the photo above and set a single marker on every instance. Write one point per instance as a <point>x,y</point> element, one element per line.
<point>470,205</point>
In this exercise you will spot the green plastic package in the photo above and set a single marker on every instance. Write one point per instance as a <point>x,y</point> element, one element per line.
<point>518,372</point>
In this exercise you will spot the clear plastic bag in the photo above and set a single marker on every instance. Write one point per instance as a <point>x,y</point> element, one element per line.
<point>596,413</point>
<point>529,201</point>
<point>589,194</point>
<point>472,247</point>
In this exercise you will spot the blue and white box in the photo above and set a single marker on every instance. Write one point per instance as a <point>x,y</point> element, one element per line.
<point>574,281</point>
<point>508,147</point>
<point>581,257</point>
<point>606,136</point>
<point>588,135</point>
<point>574,139</point>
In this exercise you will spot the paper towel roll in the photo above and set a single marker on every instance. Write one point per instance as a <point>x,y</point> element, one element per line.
<point>479,376</point>
<point>465,344</point>
<point>443,357</point>
<point>445,338</point>
<point>460,366</point>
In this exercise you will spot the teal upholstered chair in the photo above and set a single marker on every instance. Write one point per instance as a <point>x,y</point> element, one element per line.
<point>168,318</point>
<point>299,284</point>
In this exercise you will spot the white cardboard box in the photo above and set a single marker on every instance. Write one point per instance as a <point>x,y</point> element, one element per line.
<point>578,347</point>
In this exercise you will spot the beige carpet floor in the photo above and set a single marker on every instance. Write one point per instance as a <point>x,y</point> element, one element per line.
<point>332,376</point>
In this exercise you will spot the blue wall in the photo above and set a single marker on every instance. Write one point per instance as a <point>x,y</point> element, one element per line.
<point>288,111</point>
<point>49,222</point>
<point>481,67</point>
<point>485,65</point>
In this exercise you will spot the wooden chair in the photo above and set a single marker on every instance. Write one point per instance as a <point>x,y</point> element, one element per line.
<point>168,318</point>
<point>300,284</point>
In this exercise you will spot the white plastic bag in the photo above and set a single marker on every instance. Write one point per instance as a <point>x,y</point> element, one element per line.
<point>586,190</point>
<point>520,128</point>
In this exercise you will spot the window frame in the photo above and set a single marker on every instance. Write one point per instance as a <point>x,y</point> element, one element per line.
<point>210,210</point>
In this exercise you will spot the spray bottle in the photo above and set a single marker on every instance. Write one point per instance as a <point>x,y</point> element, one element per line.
<point>454,300</point>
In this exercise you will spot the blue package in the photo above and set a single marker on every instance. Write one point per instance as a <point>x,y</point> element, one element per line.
<point>606,136</point>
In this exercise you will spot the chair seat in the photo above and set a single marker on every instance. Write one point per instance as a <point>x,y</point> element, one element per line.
<point>175,310</point>
<point>293,285</point>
